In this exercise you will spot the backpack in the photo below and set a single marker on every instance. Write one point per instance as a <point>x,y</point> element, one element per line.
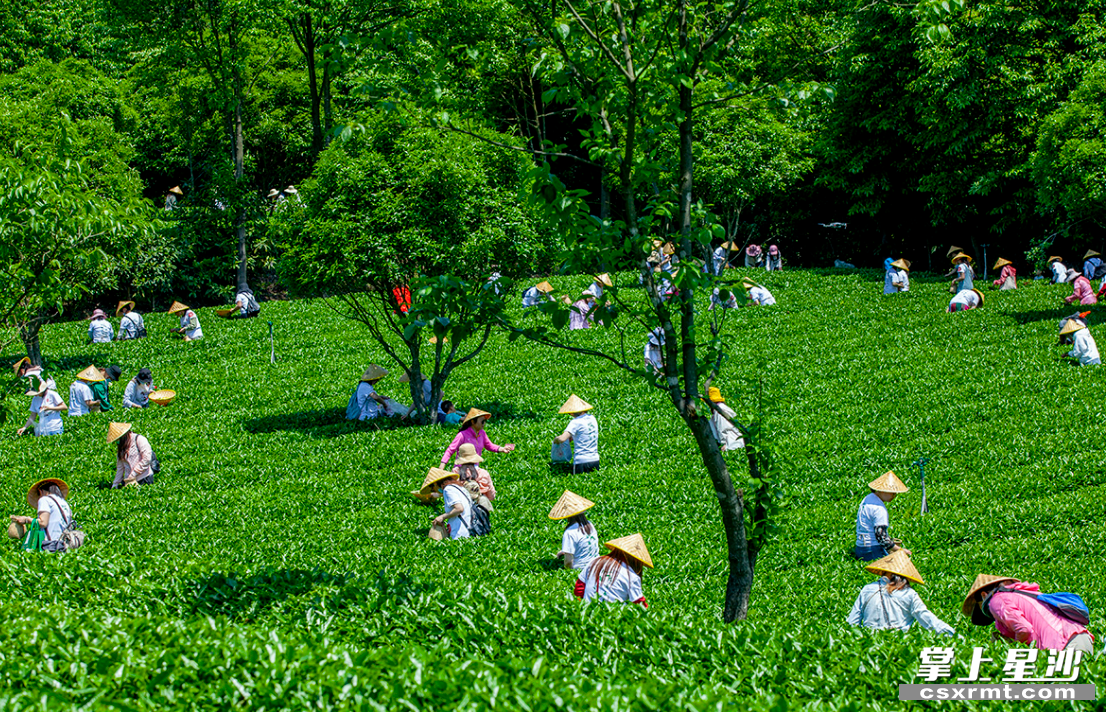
<point>71,536</point>
<point>480,522</point>
<point>1067,605</point>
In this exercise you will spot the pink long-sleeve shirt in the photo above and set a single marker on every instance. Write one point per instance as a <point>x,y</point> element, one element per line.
<point>1007,271</point>
<point>1027,621</point>
<point>136,463</point>
<point>1082,290</point>
<point>467,435</point>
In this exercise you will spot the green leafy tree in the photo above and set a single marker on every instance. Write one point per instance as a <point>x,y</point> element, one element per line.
<point>396,208</point>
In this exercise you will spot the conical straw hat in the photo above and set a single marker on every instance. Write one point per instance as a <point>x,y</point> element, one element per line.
<point>731,246</point>
<point>121,305</point>
<point>32,494</point>
<point>634,546</point>
<point>91,374</point>
<point>668,248</point>
<point>980,294</point>
<point>373,373</point>
<point>962,255</point>
<point>901,264</point>
<point>177,307</point>
<point>20,362</point>
<point>888,482</point>
<point>1054,259</point>
<point>605,280</point>
<point>573,405</point>
<point>474,413</point>
<point>1071,326</point>
<point>748,283</point>
<point>896,562</point>
<point>176,189</point>
<point>1091,253</point>
<point>1001,262</point>
<point>544,287</point>
<point>436,474</point>
<point>117,430</point>
<point>406,379</point>
<point>981,581</point>
<point>953,250</point>
<point>569,505</point>
<point>566,299</point>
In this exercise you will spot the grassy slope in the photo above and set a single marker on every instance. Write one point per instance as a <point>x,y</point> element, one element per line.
<point>278,562</point>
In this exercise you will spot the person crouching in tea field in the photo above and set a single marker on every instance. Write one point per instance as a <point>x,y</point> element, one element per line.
<point>963,274</point>
<point>189,322</point>
<point>1008,277</point>
<point>468,470</point>
<point>758,295</point>
<point>366,403</point>
<point>46,409</point>
<point>872,521</point>
<point>82,400</point>
<point>1083,346</point>
<point>99,328</point>
<point>49,499</point>
<point>458,504</point>
<point>1082,291</point>
<point>137,393</point>
<point>1014,608</point>
<point>131,326</point>
<point>472,432</point>
<point>966,301</point>
<point>891,602</point>
<point>616,577</point>
<point>580,543</point>
<point>537,294</point>
<point>448,414</point>
<point>134,458</point>
<point>583,432</point>
<point>1059,271</point>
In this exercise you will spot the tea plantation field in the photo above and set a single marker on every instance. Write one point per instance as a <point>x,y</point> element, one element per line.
<point>279,563</point>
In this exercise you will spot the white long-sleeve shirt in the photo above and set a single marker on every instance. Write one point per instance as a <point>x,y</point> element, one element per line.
<point>130,324</point>
<point>79,395</point>
<point>878,609</point>
<point>727,435</point>
<point>532,297</point>
<point>1083,348</point>
<point>761,296</point>
<point>1059,272</point>
<point>136,395</point>
<point>903,278</point>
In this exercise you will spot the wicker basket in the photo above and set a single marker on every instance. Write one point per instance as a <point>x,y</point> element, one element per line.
<point>163,397</point>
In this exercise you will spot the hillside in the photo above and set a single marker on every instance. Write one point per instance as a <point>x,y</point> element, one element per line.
<point>278,563</point>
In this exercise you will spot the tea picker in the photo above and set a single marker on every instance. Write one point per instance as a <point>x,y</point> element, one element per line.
<point>920,463</point>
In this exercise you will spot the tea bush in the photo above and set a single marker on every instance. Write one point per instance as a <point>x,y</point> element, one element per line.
<point>278,563</point>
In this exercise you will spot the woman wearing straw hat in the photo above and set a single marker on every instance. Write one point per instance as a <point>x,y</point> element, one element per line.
<point>1059,271</point>
<point>111,374</point>
<point>171,199</point>
<point>596,288</point>
<point>616,577</point>
<point>754,256</point>
<point>466,465</point>
<point>1082,291</point>
<point>131,326</point>
<point>458,504</point>
<point>537,294</point>
<point>366,403</point>
<point>24,369</point>
<point>964,274</point>
<point>1084,349</point>
<point>872,521</point>
<point>1013,607</point>
<point>137,393</point>
<point>721,422</point>
<point>49,499</point>
<point>81,398</point>
<point>1093,267</point>
<point>189,322</point>
<point>758,295</point>
<point>579,543</point>
<point>134,458</point>
<point>583,431</point>
<point>99,328</point>
<point>473,433</point>
<point>965,301</point>
<point>1008,277</point>
<point>891,602</point>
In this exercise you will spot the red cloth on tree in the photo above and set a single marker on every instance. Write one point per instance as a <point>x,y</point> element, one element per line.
<point>403,297</point>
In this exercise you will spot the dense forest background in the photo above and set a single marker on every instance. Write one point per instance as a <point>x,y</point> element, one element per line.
<point>412,128</point>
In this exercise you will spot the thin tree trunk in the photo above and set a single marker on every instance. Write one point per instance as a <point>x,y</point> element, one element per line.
<point>29,334</point>
<point>239,172</point>
<point>328,114</point>
<point>317,143</point>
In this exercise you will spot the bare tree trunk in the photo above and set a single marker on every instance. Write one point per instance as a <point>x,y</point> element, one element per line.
<point>731,502</point>
<point>328,113</point>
